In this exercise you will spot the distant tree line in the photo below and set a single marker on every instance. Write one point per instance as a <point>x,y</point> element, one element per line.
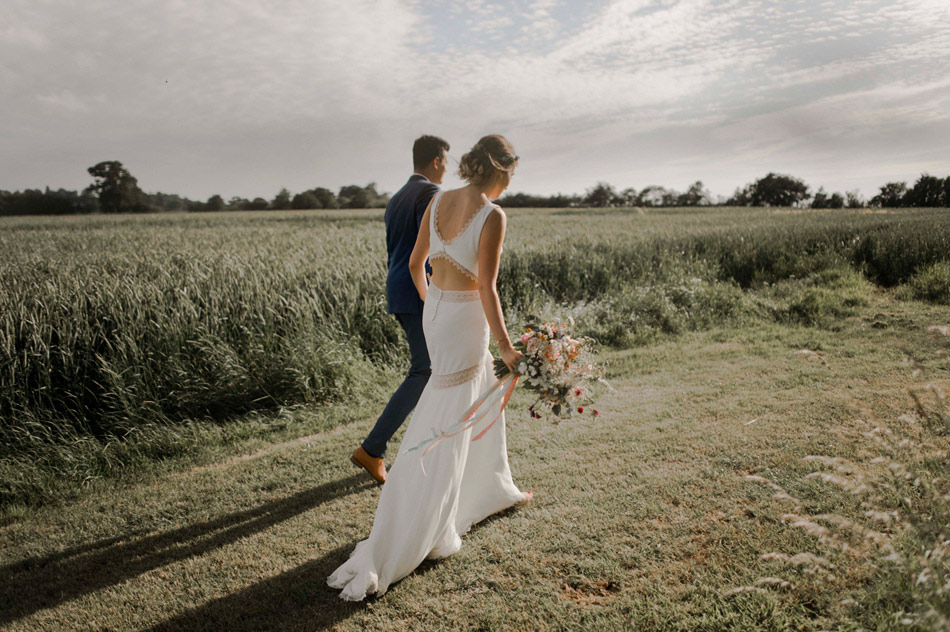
<point>603,194</point>
<point>115,190</point>
<point>771,190</point>
<point>782,190</point>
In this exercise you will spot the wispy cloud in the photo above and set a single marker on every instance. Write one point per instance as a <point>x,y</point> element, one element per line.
<point>607,89</point>
<point>63,100</point>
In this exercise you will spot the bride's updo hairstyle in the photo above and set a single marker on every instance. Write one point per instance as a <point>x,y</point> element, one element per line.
<point>491,154</point>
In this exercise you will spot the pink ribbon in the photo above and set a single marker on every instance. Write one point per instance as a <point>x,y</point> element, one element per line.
<point>500,391</point>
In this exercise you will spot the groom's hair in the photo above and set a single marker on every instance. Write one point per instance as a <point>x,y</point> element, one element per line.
<point>426,149</point>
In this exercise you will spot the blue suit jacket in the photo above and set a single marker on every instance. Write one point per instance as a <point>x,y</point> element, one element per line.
<point>403,218</point>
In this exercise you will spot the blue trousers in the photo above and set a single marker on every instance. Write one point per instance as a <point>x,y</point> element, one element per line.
<point>404,399</point>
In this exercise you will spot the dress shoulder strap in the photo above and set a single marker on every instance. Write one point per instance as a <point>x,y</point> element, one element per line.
<point>433,231</point>
<point>480,218</point>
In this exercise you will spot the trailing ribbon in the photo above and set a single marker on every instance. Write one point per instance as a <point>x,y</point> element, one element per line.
<point>500,391</point>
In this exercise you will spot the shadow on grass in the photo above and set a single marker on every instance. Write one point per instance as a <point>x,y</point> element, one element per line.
<point>296,600</point>
<point>38,583</point>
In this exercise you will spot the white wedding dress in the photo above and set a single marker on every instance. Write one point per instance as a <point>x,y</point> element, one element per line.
<point>423,514</point>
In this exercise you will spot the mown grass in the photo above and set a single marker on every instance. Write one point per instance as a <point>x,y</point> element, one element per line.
<point>124,340</point>
<point>643,519</point>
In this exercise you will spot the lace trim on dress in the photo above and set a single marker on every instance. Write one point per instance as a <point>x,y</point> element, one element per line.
<point>435,221</point>
<point>454,296</point>
<point>454,379</point>
<point>444,255</point>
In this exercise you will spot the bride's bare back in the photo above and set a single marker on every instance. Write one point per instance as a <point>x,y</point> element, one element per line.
<point>453,216</point>
<point>469,216</point>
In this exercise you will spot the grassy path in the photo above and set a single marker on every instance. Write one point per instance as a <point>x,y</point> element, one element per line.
<point>641,520</point>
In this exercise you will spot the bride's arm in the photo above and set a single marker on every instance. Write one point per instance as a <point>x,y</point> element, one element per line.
<point>489,254</point>
<point>420,252</point>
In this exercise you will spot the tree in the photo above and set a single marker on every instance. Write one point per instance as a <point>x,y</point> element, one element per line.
<point>352,196</point>
<point>215,203</point>
<point>48,202</point>
<point>741,197</point>
<point>891,195</point>
<point>166,202</point>
<point>696,195</point>
<point>355,196</point>
<point>653,195</point>
<point>326,197</point>
<point>281,200</point>
<point>118,191</point>
<point>778,190</point>
<point>627,197</point>
<point>821,199</point>
<point>600,195</point>
<point>88,203</point>
<point>237,203</point>
<point>305,200</point>
<point>854,199</point>
<point>927,191</point>
<point>375,199</point>
<point>836,201</point>
<point>524,200</point>
<point>258,204</point>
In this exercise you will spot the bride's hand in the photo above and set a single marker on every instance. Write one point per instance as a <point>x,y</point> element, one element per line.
<point>511,357</point>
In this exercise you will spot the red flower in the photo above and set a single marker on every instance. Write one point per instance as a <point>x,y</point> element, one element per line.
<point>580,409</point>
<point>595,412</point>
<point>577,392</point>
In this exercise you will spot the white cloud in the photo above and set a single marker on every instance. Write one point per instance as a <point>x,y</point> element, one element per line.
<point>540,23</point>
<point>22,35</point>
<point>227,62</point>
<point>63,100</point>
<point>321,89</point>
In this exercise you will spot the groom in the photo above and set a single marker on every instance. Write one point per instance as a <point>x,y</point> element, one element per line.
<point>403,217</point>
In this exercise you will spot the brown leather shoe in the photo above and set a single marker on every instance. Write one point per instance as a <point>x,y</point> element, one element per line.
<point>372,464</point>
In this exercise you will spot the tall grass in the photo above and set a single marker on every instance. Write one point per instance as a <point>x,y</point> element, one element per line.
<point>170,326</point>
<point>109,325</point>
<point>931,283</point>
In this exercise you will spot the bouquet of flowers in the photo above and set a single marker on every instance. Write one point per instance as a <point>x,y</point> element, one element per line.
<point>557,366</point>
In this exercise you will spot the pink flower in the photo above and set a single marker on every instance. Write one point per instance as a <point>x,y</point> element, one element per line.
<point>578,392</point>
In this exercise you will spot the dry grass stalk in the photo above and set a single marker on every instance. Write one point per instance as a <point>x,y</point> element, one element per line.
<point>904,525</point>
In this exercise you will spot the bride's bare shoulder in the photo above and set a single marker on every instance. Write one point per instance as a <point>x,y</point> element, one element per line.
<point>495,222</point>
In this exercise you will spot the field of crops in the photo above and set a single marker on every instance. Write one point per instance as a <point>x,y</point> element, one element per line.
<point>110,326</point>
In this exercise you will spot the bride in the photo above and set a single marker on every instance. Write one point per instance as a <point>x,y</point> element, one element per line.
<point>422,513</point>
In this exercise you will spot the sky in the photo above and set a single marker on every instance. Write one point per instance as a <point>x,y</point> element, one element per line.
<point>244,97</point>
